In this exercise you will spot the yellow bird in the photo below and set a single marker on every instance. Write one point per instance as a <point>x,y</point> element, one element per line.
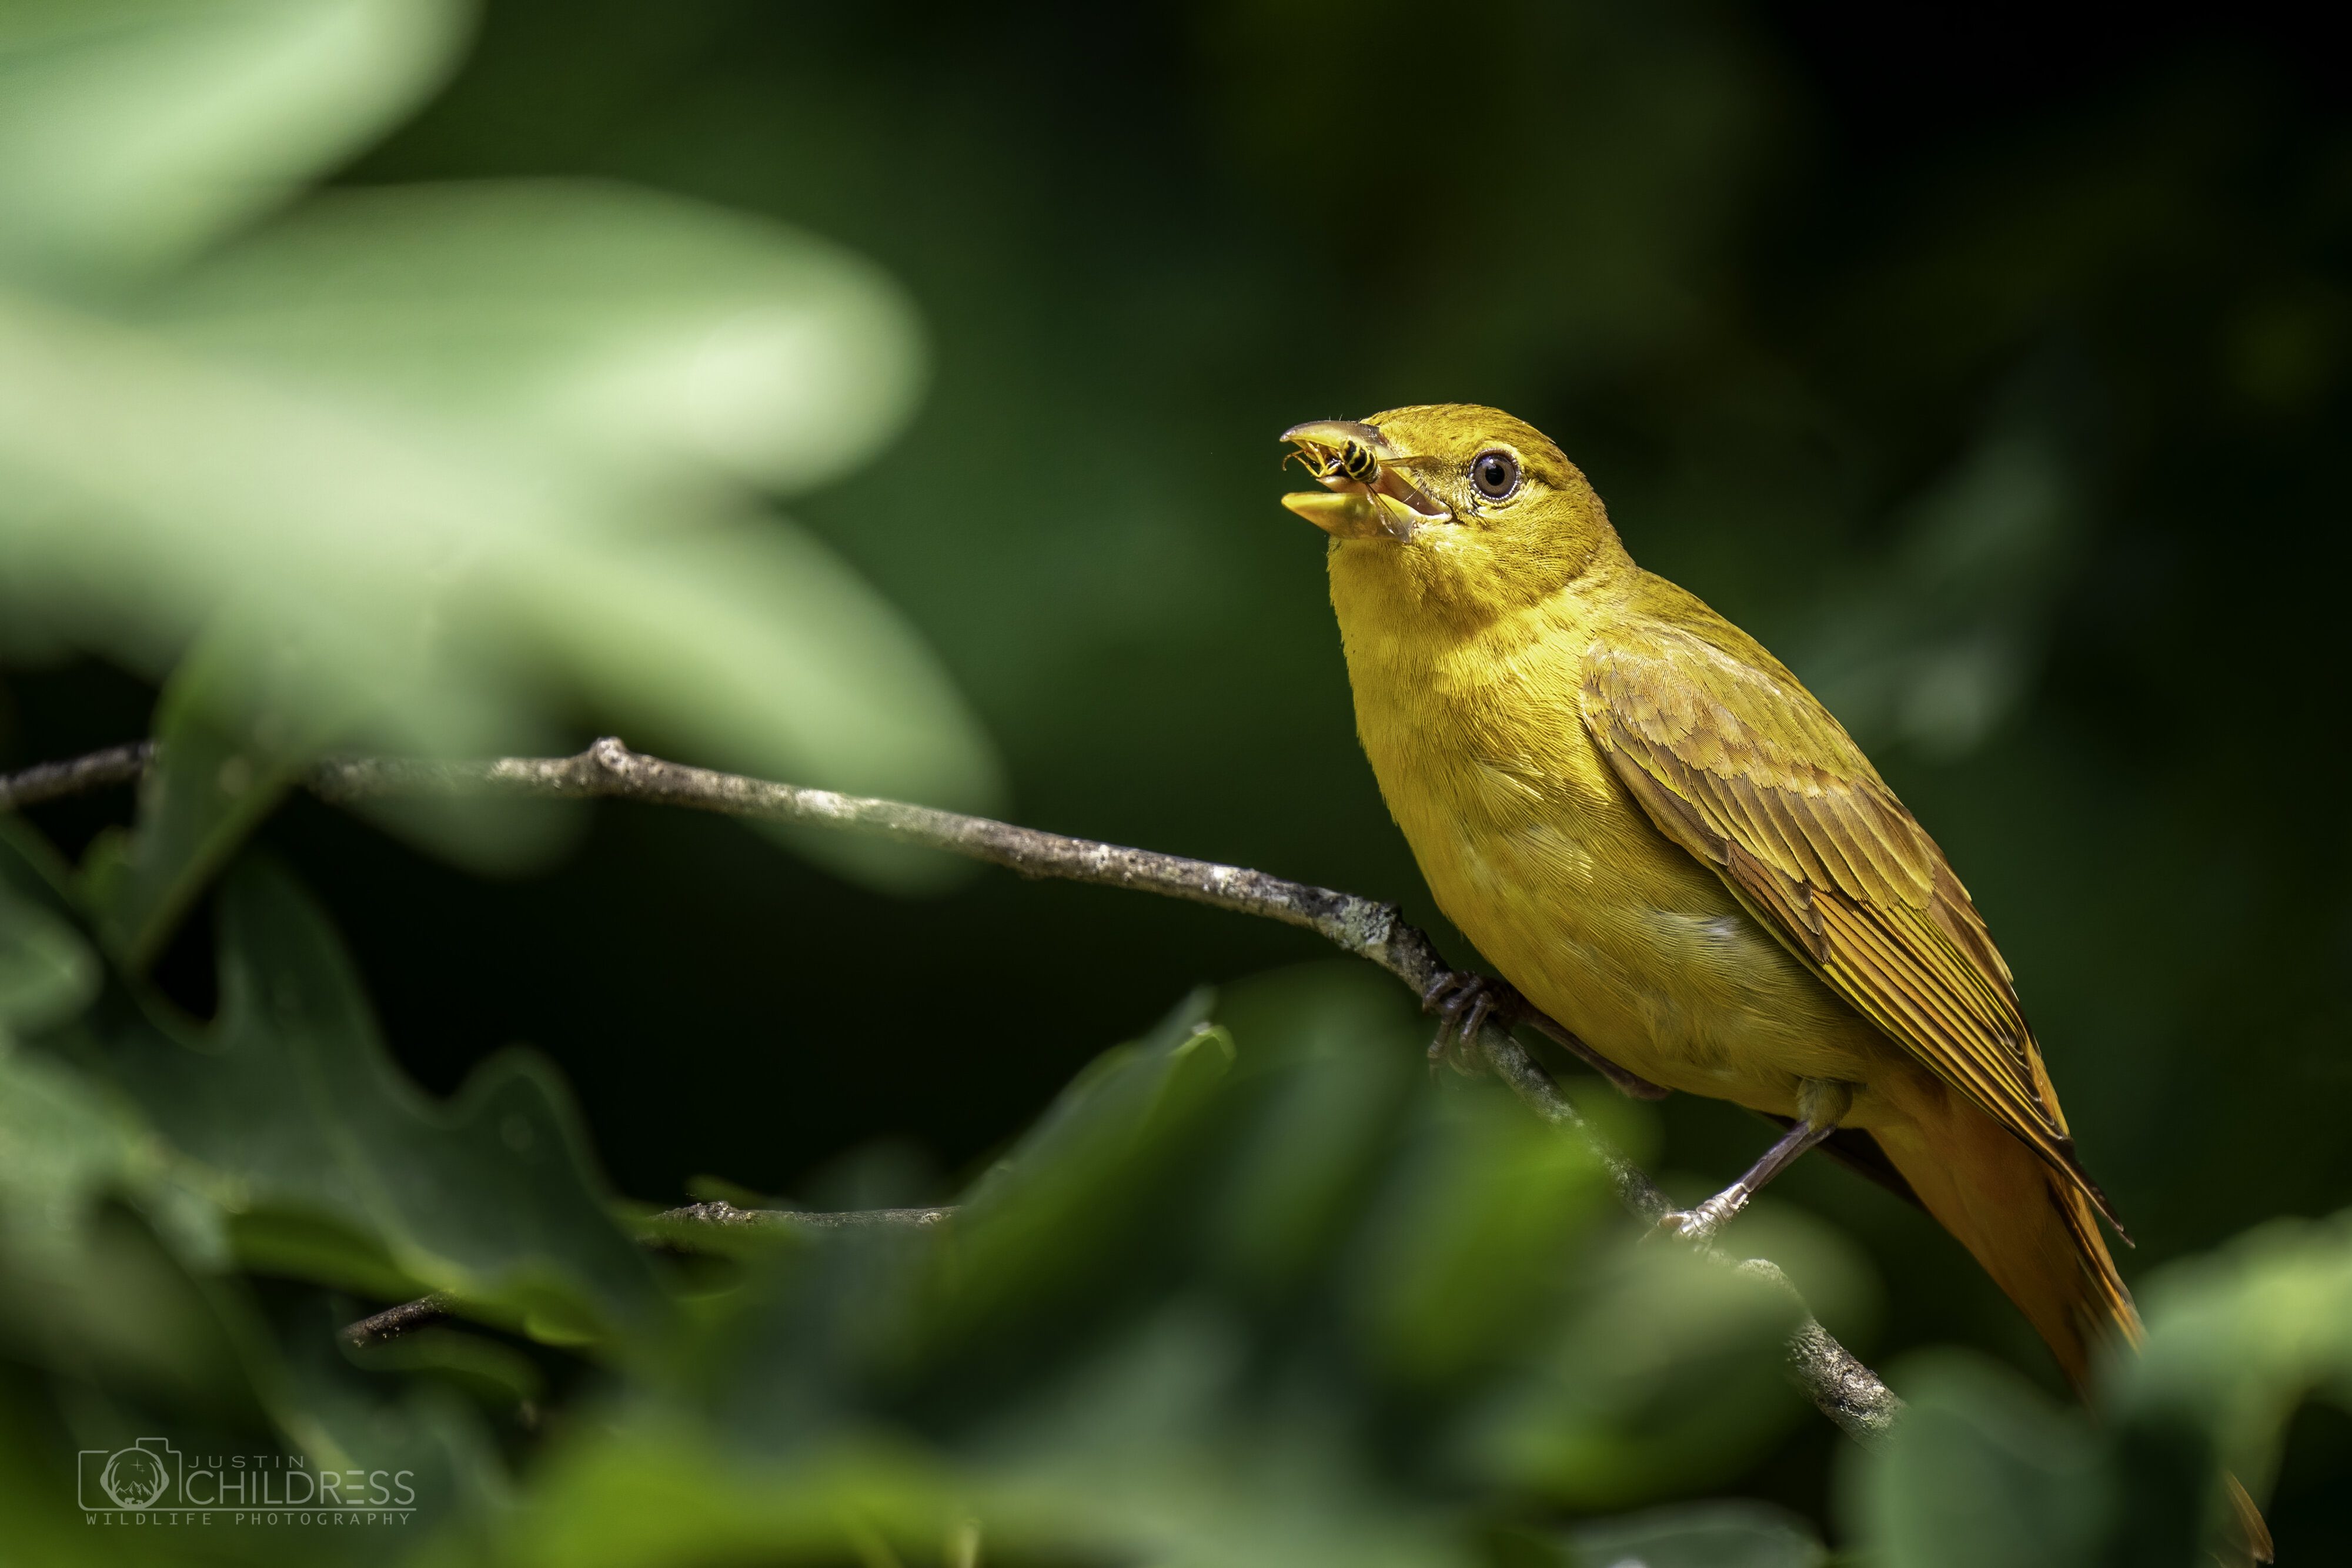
<point>1664,841</point>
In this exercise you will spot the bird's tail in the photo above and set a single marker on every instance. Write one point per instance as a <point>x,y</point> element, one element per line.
<point>2037,1236</point>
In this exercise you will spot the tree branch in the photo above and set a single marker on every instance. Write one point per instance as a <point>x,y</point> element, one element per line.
<point>1845,1390</point>
<point>608,770</point>
<point>76,776</point>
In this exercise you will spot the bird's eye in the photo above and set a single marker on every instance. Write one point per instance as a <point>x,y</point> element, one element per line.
<point>1496,475</point>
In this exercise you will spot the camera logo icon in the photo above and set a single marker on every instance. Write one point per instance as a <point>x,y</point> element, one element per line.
<point>131,1478</point>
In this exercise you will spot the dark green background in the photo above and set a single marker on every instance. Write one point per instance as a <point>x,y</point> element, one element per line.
<point>1788,281</point>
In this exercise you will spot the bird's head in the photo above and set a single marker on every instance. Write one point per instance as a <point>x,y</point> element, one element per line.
<point>1456,506</point>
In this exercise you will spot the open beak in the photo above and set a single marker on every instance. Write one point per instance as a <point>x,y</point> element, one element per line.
<point>1365,494</point>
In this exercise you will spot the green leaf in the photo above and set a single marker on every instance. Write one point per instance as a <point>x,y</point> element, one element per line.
<point>646,335</point>
<point>133,132</point>
<point>1339,1048</point>
<point>2237,1340</point>
<point>1056,1361</point>
<point>757,649</point>
<point>1481,1218</point>
<point>1072,1202</point>
<point>1983,1468</point>
<point>655,1492</point>
<point>1729,1534</point>
<point>62,1147</point>
<point>84,1287</point>
<point>337,1169</point>
<point>436,470</point>
<point>415,1433</point>
<point>1664,1372</point>
<point>233,734</point>
<point>483,1368</point>
<point>366,576</point>
<point>47,972</point>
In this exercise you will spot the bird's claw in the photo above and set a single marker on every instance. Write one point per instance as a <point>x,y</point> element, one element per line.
<point>1700,1224</point>
<point>1464,1003</point>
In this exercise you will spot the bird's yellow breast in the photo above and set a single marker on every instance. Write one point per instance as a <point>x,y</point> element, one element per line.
<point>1532,848</point>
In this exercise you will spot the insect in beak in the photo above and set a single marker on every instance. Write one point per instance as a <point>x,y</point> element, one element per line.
<point>1365,493</point>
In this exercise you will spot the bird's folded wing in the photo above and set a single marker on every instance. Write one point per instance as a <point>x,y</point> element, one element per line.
<point>1738,763</point>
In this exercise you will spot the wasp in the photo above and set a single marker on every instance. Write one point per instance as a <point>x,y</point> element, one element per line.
<point>1337,454</point>
<point>1354,459</point>
<point>1351,460</point>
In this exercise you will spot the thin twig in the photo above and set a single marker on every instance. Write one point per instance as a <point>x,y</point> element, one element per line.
<point>727,1214</point>
<point>1845,1390</point>
<point>76,776</point>
<point>439,1307</point>
<point>393,1321</point>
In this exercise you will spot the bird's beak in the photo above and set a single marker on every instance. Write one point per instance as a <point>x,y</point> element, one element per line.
<point>1364,494</point>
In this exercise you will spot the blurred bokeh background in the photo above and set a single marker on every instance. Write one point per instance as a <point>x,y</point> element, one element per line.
<point>1992,364</point>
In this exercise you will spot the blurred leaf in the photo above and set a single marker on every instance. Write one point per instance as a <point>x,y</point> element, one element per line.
<point>651,1491</point>
<point>232,734</point>
<point>1176,1434</point>
<point>756,648</point>
<point>1982,1468</point>
<point>348,1421</point>
<point>1341,1046</point>
<point>481,1368</point>
<point>1483,1219</point>
<point>337,1169</point>
<point>133,132</point>
<point>439,469</point>
<point>62,1148</point>
<point>1059,1350</point>
<point>1731,1534</point>
<point>64,1144</point>
<point>1664,1376</point>
<point>380,579</point>
<point>85,1288</point>
<point>639,332</point>
<point>47,972</point>
<point>1071,1204</point>
<point>2237,1340</point>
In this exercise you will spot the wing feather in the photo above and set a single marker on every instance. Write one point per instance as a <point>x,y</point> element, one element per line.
<point>1734,761</point>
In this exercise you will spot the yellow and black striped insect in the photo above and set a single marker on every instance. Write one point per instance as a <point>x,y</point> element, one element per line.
<point>1354,459</point>
<point>1351,460</point>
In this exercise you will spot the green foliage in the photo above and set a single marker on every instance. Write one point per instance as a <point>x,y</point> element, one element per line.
<point>47,974</point>
<point>138,131</point>
<point>486,471</point>
<point>1985,1470</point>
<point>331,1166</point>
<point>1092,1355</point>
<point>1245,1294</point>
<point>1705,1535</point>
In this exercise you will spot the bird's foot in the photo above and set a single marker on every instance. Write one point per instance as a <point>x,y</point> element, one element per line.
<point>1700,1224</point>
<point>1464,1004</point>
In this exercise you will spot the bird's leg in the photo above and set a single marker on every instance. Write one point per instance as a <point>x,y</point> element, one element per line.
<point>1821,1102</point>
<point>1632,1085</point>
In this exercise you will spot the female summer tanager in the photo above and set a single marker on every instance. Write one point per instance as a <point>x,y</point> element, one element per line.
<point>1664,842</point>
